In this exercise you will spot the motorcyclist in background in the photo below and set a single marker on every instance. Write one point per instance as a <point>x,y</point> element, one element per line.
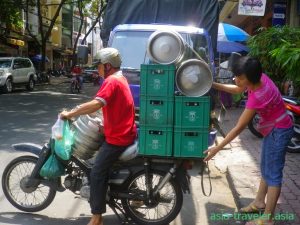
<point>77,72</point>
<point>116,101</point>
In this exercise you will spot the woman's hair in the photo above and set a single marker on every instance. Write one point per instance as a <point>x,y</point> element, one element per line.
<point>249,66</point>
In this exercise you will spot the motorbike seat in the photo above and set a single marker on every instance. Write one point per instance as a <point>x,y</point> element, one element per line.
<point>130,153</point>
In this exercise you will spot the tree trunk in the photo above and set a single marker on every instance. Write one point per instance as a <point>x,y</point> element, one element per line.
<point>45,36</point>
<point>102,9</point>
<point>79,5</point>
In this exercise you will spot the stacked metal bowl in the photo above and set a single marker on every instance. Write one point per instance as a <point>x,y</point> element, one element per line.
<point>88,135</point>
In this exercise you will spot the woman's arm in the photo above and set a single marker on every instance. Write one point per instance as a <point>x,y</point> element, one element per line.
<point>230,88</point>
<point>239,127</point>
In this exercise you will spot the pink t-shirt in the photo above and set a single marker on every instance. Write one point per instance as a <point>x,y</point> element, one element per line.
<point>267,102</point>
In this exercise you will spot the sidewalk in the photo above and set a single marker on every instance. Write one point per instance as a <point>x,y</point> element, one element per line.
<point>241,160</point>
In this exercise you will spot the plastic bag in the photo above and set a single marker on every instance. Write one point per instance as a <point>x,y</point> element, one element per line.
<point>57,129</point>
<point>131,152</point>
<point>63,146</point>
<point>52,167</point>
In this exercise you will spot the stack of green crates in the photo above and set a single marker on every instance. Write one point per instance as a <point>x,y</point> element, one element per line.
<point>170,125</point>
<point>191,126</point>
<point>156,109</point>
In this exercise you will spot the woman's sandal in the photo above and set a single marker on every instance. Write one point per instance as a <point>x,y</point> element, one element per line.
<point>260,222</point>
<point>251,208</point>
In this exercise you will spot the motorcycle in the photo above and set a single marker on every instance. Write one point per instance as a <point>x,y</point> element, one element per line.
<point>293,109</point>
<point>146,190</point>
<point>43,77</point>
<point>75,84</point>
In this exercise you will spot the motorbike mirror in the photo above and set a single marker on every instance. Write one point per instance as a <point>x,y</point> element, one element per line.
<point>234,56</point>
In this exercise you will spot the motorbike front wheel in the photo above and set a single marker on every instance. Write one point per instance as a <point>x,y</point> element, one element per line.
<point>161,209</point>
<point>18,193</point>
<point>75,87</point>
<point>252,124</point>
<point>294,145</point>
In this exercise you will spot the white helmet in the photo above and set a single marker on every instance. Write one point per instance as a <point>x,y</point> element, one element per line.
<point>111,56</point>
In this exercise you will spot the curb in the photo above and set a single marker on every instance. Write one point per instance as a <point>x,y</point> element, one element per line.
<point>243,185</point>
<point>233,189</point>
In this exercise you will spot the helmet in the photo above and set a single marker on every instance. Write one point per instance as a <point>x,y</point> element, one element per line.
<point>111,56</point>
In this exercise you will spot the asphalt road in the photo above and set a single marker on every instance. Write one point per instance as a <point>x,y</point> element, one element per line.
<point>29,116</point>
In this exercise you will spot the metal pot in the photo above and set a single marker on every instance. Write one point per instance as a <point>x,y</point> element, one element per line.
<point>194,78</point>
<point>166,47</point>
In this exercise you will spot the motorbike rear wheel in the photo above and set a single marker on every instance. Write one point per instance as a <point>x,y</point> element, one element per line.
<point>28,199</point>
<point>162,209</point>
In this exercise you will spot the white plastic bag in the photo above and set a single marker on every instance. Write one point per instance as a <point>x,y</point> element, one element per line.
<point>57,129</point>
<point>131,152</point>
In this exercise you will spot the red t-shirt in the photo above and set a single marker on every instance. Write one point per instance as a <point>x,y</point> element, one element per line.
<point>118,110</point>
<point>77,70</point>
<point>267,102</point>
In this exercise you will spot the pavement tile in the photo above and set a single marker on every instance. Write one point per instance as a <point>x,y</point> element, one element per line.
<point>289,196</point>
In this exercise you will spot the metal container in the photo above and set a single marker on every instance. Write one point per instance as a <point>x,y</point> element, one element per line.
<point>166,47</point>
<point>88,135</point>
<point>193,78</point>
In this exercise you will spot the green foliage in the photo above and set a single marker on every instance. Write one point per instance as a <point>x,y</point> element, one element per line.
<point>287,55</point>
<point>278,49</point>
<point>10,12</point>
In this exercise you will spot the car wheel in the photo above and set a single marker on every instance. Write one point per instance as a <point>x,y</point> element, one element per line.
<point>30,85</point>
<point>8,87</point>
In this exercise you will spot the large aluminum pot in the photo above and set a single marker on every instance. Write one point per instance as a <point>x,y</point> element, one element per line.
<point>194,78</point>
<point>166,47</point>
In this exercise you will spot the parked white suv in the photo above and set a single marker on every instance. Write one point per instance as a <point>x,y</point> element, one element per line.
<point>16,71</point>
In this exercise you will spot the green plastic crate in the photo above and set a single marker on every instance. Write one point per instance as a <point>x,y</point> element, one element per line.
<point>192,111</point>
<point>157,80</point>
<point>156,110</point>
<point>190,142</point>
<point>155,140</point>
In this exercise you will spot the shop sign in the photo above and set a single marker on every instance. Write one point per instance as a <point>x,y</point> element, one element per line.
<point>252,7</point>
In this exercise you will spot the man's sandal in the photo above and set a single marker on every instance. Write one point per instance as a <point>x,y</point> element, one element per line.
<point>260,222</point>
<point>251,208</point>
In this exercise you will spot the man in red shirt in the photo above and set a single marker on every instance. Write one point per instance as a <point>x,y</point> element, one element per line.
<point>77,73</point>
<point>116,101</point>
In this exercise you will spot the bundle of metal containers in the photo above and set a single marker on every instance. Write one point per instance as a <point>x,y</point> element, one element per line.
<point>88,135</point>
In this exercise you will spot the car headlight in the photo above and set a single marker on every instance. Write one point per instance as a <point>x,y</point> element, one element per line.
<point>1,73</point>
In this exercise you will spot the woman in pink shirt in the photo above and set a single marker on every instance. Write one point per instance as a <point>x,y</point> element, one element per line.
<point>276,126</point>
